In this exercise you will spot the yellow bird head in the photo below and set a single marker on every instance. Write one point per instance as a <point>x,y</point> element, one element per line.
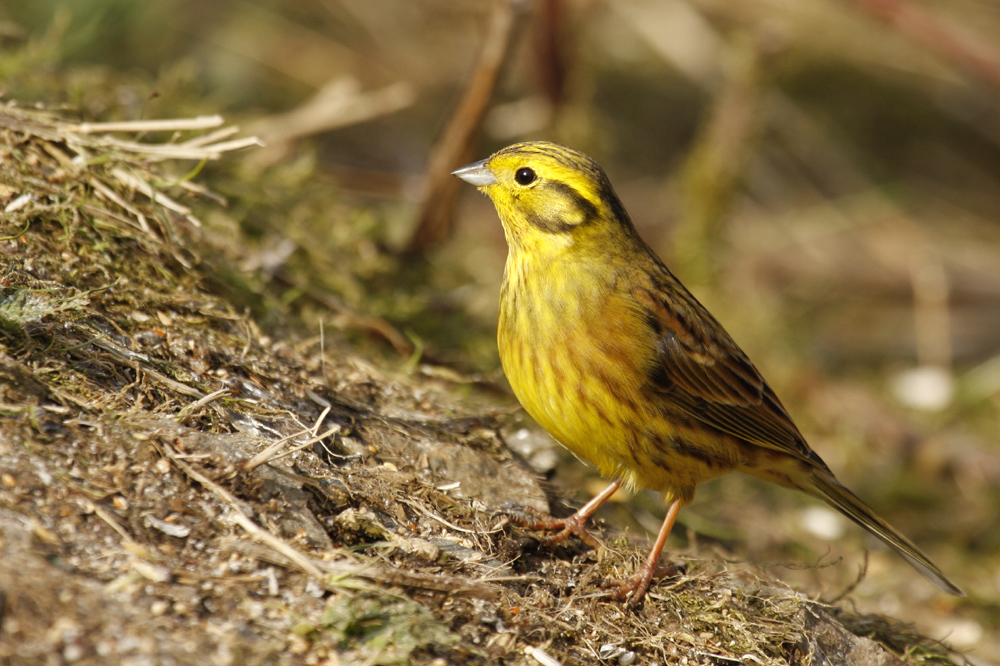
<point>549,195</point>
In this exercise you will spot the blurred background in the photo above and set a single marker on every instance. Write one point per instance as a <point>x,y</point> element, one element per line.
<point>823,174</point>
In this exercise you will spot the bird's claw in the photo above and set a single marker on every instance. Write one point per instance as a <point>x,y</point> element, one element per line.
<point>533,519</point>
<point>635,586</point>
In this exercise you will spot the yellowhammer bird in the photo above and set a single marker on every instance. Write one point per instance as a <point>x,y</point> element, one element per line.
<point>609,353</point>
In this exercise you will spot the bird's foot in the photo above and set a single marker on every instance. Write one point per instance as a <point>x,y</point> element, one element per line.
<point>575,524</point>
<point>536,520</point>
<point>635,586</point>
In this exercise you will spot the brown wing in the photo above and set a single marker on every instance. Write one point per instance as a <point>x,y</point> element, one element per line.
<point>703,372</point>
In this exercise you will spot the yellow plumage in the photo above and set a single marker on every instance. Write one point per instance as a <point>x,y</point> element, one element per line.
<point>609,353</point>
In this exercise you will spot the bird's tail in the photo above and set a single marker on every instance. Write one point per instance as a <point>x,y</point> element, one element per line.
<point>822,484</point>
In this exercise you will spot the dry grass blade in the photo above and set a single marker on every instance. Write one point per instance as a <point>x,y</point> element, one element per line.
<point>182,151</point>
<point>175,125</point>
<point>129,180</point>
<point>211,137</point>
<point>112,196</point>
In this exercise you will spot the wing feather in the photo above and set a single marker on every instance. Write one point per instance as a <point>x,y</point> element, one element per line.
<point>701,370</point>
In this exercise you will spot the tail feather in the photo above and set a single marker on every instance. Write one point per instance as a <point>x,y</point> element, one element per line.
<point>822,484</point>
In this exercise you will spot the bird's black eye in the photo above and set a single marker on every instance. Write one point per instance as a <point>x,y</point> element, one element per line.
<point>525,176</point>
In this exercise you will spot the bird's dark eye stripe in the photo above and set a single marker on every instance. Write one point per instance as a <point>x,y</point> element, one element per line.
<point>558,225</point>
<point>525,176</point>
<point>580,201</point>
<point>549,224</point>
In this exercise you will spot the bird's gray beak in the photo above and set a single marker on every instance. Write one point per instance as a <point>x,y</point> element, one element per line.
<point>477,174</point>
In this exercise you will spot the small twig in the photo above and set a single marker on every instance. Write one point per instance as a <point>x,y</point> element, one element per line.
<point>455,146</point>
<point>264,456</point>
<point>723,657</point>
<point>261,458</point>
<point>444,522</point>
<point>211,397</point>
<point>862,574</point>
<point>716,166</point>
<point>182,574</point>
